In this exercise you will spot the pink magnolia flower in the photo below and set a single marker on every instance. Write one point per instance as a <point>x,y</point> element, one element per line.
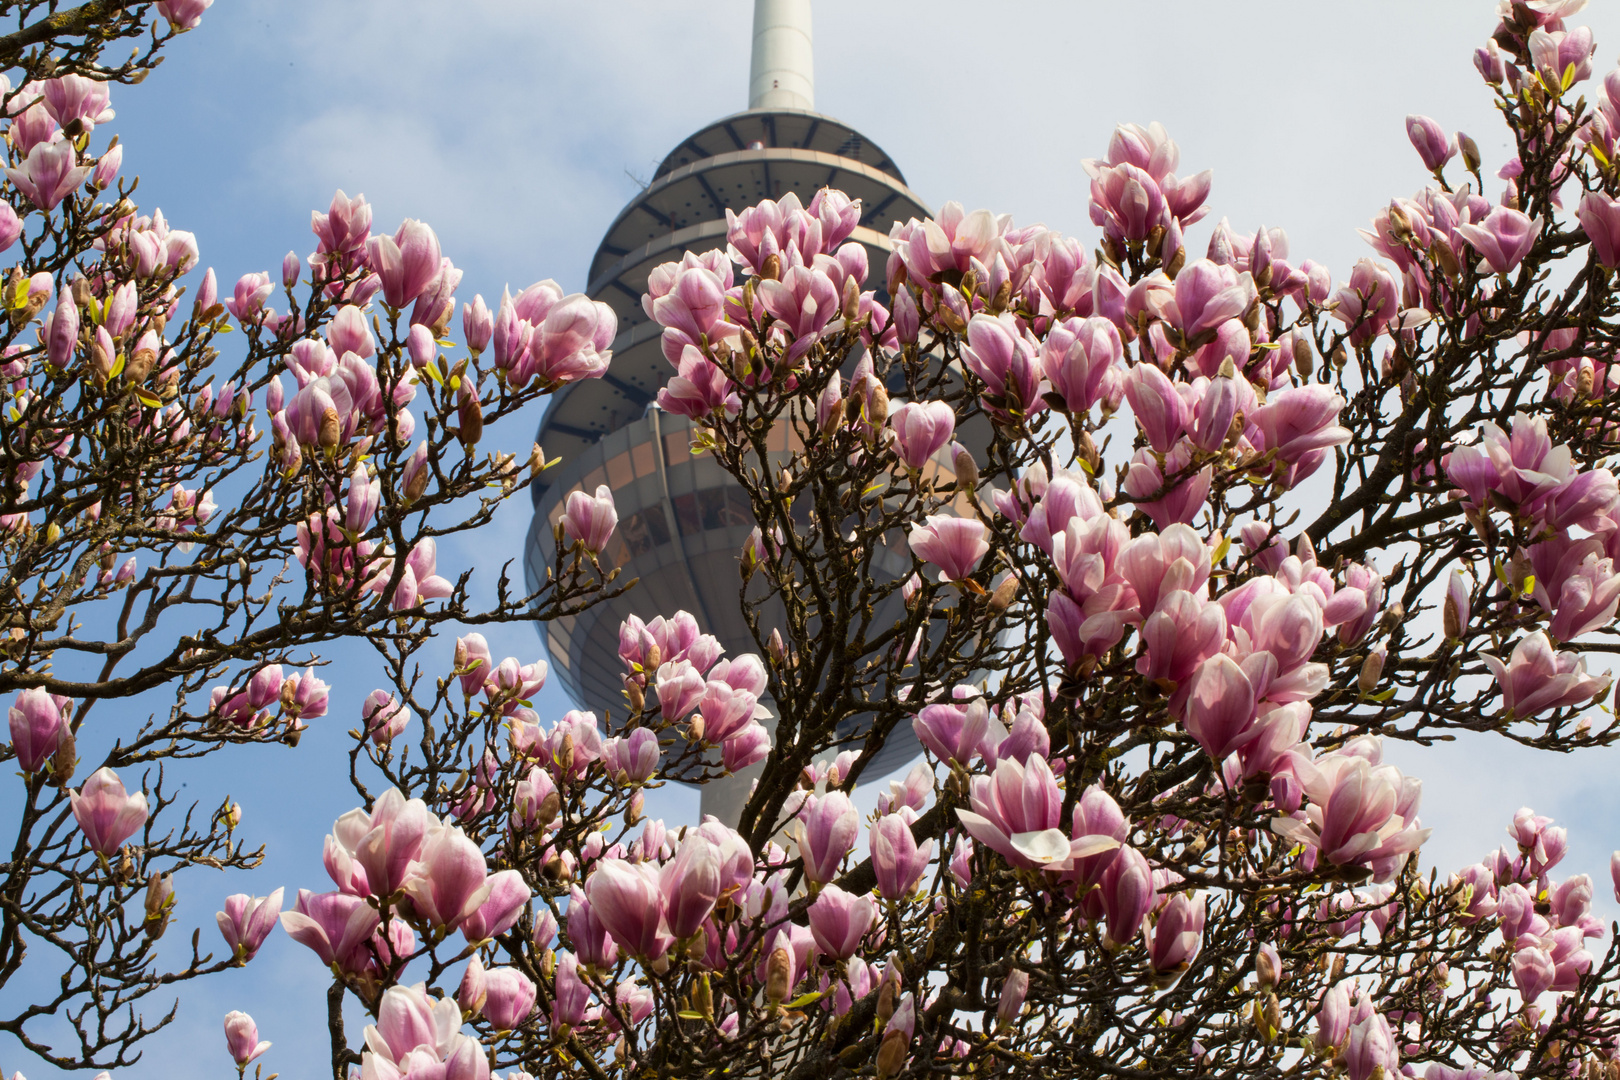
<point>590,520</point>
<point>1125,894</point>
<point>37,726</point>
<point>385,718</point>
<point>1206,295</point>
<point>1599,216</point>
<point>1077,356</point>
<point>1300,424</point>
<point>242,1038</point>
<point>921,429</point>
<point>509,998</point>
<point>897,860</point>
<point>183,14</point>
<point>690,884</point>
<point>1220,710</point>
<point>74,97</point>
<point>1017,812</point>
<point>1178,934</point>
<point>49,173</point>
<point>955,545</point>
<point>1368,301</point>
<point>699,387</point>
<point>107,814</point>
<point>839,920</point>
<point>1004,357</point>
<point>1127,202</point>
<point>633,758</point>
<point>1562,54</point>
<point>1370,1049</point>
<point>335,925</point>
<point>407,262</point>
<point>1429,139</point>
<point>247,921</point>
<point>953,732</point>
<point>571,342</point>
<point>450,880</point>
<point>395,832</point>
<point>1503,238</point>
<point>745,747</point>
<point>1158,406</point>
<point>508,899</point>
<point>477,324</point>
<point>1536,679</point>
<point>1361,812</point>
<point>627,899</point>
<point>825,833</point>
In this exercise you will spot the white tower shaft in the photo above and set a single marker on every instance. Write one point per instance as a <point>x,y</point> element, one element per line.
<point>781,74</point>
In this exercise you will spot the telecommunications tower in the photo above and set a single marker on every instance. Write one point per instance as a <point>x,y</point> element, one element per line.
<point>682,519</point>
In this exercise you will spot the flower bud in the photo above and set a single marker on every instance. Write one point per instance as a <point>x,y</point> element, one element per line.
<point>891,1055</point>
<point>967,471</point>
<point>159,902</point>
<point>778,971</point>
<point>471,414</point>
<point>1371,669</point>
<point>290,266</point>
<point>1267,967</point>
<point>1013,991</point>
<point>1470,152</point>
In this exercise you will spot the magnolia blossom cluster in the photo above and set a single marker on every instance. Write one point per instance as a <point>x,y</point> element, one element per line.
<point>1543,924</point>
<point>543,335</point>
<point>401,858</point>
<point>805,283</point>
<point>296,698</point>
<point>717,700</point>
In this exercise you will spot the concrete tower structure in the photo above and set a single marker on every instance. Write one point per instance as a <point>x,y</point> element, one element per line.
<point>682,519</point>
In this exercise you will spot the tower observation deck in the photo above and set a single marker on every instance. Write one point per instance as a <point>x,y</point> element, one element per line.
<point>682,519</point>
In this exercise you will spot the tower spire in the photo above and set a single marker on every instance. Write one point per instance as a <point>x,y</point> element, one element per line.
<point>781,74</point>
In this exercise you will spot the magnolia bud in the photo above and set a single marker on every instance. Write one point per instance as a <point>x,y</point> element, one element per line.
<point>886,1002</point>
<point>877,405</point>
<point>967,472</point>
<point>852,298</point>
<point>778,970</point>
<point>1267,967</point>
<point>66,758</point>
<point>891,1055</point>
<point>471,414</point>
<point>1304,359</point>
<point>772,268</point>
<point>565,753</point>
<point>1372,669</point>
<point>1585,378</point>
<point>1470,152</point>
<point>775,647</point>
<point>632,690</point>
<point>1002,598</point>
<point>139,366</point>
<point>703,996</point>
<point>1393,615</point>
<point>638,802</point>
<point>331,429</point>
<point>159,901</point>
<point>550,807</point>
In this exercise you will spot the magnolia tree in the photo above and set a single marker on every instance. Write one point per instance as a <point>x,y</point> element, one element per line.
<point>1194,536</point>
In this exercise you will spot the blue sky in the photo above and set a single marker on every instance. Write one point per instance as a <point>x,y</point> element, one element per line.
<point>514,129</point>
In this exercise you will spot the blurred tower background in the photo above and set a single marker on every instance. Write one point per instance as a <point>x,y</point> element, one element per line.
<point>682,519</point>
